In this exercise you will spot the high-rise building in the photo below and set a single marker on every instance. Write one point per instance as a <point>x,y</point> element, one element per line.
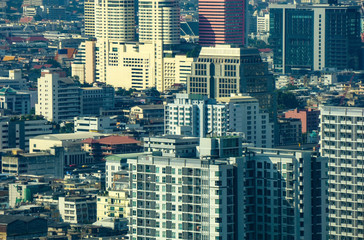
<point>196,115</point>
<point>285,194</point>
<point>58,98</point>
<point>342,141</point>
<point>265,194</point>
<point>15,102</point>
<point>89,13</point>
<point>314,37</point>
<point>222,22</point>
<point>114,20</point>
<point>84,64</point>
<point>159,22</point>
<point>93,99</point>
<point>223,70</point>
<point>181,198</point>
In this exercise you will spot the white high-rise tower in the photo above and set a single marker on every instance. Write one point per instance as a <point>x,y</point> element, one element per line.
<point>159,21</point>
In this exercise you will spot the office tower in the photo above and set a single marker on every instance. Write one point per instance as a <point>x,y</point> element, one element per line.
<point>89,13</point>
<point>285,194</point>
<point>114,20</point>
<point>222,22</point>
<point>134,65</point>
<point>223,70</point>
<point>159,22</point>
<point>314,37</point>
<point>196,115</point>
<point>58,98</point>
<point>181,198</point>
<point>342,141</point>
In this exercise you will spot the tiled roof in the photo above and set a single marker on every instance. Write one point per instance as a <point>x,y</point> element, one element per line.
<point>116,140</point>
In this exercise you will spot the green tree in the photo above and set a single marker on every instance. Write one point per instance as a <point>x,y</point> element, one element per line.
<point>287,100</point>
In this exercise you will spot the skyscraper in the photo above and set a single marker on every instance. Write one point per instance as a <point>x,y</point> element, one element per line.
<point>159,21</point>
<point>89,11</point>
<point>314,37</point>
<point>114,20</point>
<point>222,22</point>
<point>342,141</point>
<point>222,70</point>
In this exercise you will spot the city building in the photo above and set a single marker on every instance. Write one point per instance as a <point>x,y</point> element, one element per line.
<point>89,13</point>
<point>310,118</point>
<point>223,70</point>
<point>45,142</point>
<point>114,20</point>
<point>85,67</point>
<point>113,204</point>
<point>99,148</point>
<point>58,98</point>
<point>16,131</point>
<point>309,37</point>
<point>139,66</point>
<point>49,163</point>
<point>94,99</point>
<point>222,22</point>
<point>116,165</point>
<point>341,140</point>
<point>146,113</point>
<point>22,227</point>
<point>171,145</point>
<point>198,116</point>
<point>21,192</point>
<point>102,124</point>
<point>263,23</point>
<point>14,80</point>
<point>159,22</point>
<point>290,131</point>
<point>16,102</point>
<point>285,194</point>
<point>181,198</point>
<point>78,209</point>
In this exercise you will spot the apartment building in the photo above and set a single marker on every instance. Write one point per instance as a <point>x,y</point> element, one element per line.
<point>342,141</point>
<point>285,194</point>
<point>198,116</point>
<point>178,198</point>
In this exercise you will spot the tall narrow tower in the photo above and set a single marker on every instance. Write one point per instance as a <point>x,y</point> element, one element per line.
<point>221,22</point>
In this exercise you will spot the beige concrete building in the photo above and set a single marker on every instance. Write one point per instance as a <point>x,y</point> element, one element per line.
<point>89,10</point>
<point>113,204</point>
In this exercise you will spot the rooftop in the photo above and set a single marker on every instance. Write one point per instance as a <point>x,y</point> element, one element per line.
<point>70,136</point>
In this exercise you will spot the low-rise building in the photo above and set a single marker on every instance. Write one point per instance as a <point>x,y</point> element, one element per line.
<point>99,148</point>
<point>16,131</point>
<point>114,204</point>
<point>14,80</point>
<point>309,118</point>
<point>49,163</point>
<point>16,102</point>
<point>102,124</point>
<point>22,227</point>
<point>23,191</point>
<point>80,209</point>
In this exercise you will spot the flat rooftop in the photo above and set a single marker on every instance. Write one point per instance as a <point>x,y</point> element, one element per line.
<point>70,136</point>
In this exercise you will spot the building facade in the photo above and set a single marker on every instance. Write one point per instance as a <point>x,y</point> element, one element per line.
<point>310,118</point>
<point>94,99</point>
<point>222,22</point>
<point>16,102</point>
<point>196,115</point>
<point>224,70</point>
<point>79,210</point>
<point>58,98</point>
<point>103,124</point>
<point>342,141</point>
<point>285,194</point>
<point>313,37</point>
